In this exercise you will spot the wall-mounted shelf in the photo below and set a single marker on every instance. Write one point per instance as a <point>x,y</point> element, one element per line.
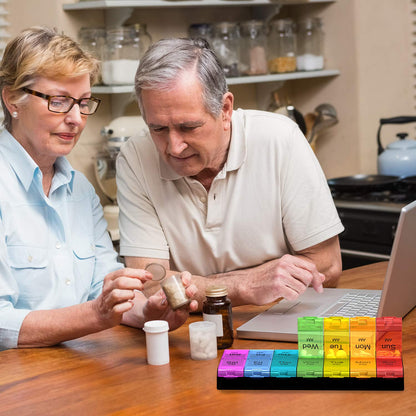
<point>255,79</point>
<point>105,4</point>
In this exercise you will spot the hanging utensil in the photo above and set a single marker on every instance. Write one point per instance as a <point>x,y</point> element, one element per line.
<point>296,116</point>
<point>288,110</point>
<point>310,119</point>
<point>326,116</point>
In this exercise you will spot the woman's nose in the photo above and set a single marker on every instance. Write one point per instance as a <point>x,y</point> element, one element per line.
<point>74,115</point>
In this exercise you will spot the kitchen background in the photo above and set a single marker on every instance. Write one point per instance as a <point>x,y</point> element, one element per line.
<point>369,44</point>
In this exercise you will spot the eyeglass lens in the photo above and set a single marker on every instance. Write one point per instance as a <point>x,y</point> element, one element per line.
<point>59,104</point>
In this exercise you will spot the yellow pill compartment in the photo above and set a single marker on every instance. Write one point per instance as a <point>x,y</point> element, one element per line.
<point>337,347</point>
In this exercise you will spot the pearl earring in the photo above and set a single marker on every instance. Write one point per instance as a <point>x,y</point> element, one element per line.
<point>14,114</point>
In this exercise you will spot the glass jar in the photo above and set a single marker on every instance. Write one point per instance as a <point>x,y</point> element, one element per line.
<point>217,308</point>
<point>282,46</point>
<point>141,38</point>
<point>253,59</point>
<point>120,57</point>
<point>226,44</point>
<point>201,30</point>
<point>92,40</point>
<point>310,45</point>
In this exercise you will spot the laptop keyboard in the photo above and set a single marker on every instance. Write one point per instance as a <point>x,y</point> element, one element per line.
<point>355,304</point>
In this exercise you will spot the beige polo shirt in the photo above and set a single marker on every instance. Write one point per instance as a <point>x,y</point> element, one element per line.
<point>270,198</point>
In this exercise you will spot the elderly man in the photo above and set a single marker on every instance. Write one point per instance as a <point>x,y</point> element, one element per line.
<point>237,198</point>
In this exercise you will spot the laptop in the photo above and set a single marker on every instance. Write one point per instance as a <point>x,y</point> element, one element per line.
<point>398,297</point>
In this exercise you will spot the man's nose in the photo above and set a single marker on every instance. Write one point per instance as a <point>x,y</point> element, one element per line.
<point>176,143</point>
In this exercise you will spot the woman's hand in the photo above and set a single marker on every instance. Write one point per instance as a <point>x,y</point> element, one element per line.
<point>118,293</point>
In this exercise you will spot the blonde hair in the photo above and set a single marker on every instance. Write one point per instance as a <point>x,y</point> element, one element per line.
<point>42,52</point>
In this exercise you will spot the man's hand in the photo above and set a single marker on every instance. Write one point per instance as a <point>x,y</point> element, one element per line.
<point>287,277</point>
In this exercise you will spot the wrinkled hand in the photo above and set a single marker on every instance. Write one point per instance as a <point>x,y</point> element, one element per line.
<point>118,293</point>
<point>157,306</point>
<point>287,277</point>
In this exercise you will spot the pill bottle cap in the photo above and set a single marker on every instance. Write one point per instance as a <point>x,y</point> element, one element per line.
<point>216,291</point>
<point>155,327</point>
<point>202,325</point>
<point>157,270</point>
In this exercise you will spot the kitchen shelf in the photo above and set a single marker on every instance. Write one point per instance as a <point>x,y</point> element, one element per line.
<point>255,79</point>
<point>106,4</point>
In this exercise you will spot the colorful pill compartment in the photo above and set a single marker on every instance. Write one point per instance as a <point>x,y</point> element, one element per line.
<point>310,347</point>
<point>336,347</point>
<point>284,363</point>
<point>363,347</point>
<point>389,361</point>
<point>258,363</point>
<point>232,363</point>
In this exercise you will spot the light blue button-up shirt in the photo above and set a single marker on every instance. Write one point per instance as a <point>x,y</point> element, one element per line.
<point>54,250</point>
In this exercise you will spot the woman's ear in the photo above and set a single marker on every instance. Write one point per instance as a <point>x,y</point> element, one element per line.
<point>8,99</point>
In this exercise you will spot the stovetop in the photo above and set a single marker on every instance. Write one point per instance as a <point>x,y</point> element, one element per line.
<point>385,200</point>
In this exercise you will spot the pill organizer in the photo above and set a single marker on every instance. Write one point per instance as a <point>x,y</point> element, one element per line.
<point>333,354</point>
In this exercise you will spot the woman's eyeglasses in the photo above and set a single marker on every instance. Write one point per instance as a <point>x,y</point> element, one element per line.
<point>64,103</point>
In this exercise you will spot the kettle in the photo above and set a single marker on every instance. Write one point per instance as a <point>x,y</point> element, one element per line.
<point>399,157</point>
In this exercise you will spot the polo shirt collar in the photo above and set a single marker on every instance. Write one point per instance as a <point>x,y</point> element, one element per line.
<point>236,153</point>
<point>25,167</point>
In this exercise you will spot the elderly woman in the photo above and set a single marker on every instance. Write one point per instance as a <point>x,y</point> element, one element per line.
<point>59,277</point>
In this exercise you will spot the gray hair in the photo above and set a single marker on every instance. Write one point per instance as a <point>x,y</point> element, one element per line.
<point>166,59</point>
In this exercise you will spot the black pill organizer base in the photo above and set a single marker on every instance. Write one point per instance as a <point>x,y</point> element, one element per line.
<point>280,370</point>
<point>302,383</point>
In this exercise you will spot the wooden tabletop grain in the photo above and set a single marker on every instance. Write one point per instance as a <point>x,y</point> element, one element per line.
<point>107,374</point>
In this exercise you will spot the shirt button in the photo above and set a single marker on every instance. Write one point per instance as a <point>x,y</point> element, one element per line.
<point>29,258</point>
<point>203,199</point>
<point>68,282</point>
<point>58,245</point>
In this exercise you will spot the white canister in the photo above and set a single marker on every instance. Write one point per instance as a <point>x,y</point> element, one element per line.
<point>157,342</point>
<point>203,340</point>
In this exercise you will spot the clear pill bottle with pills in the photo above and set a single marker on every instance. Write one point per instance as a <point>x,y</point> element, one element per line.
<point>203,340</point>
<point>174,291</point>
<point>217,308</point>
<point>172,285</point>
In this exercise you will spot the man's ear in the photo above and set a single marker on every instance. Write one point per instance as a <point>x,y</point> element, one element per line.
<point>227,109</point>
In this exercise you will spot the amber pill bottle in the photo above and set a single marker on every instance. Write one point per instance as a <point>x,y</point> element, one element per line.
<point>217,308</point>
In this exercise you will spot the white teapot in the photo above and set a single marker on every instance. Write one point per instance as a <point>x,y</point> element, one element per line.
<point>399,157</point>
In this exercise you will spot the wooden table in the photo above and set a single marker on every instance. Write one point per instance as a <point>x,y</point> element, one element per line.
<point>107,373</point>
